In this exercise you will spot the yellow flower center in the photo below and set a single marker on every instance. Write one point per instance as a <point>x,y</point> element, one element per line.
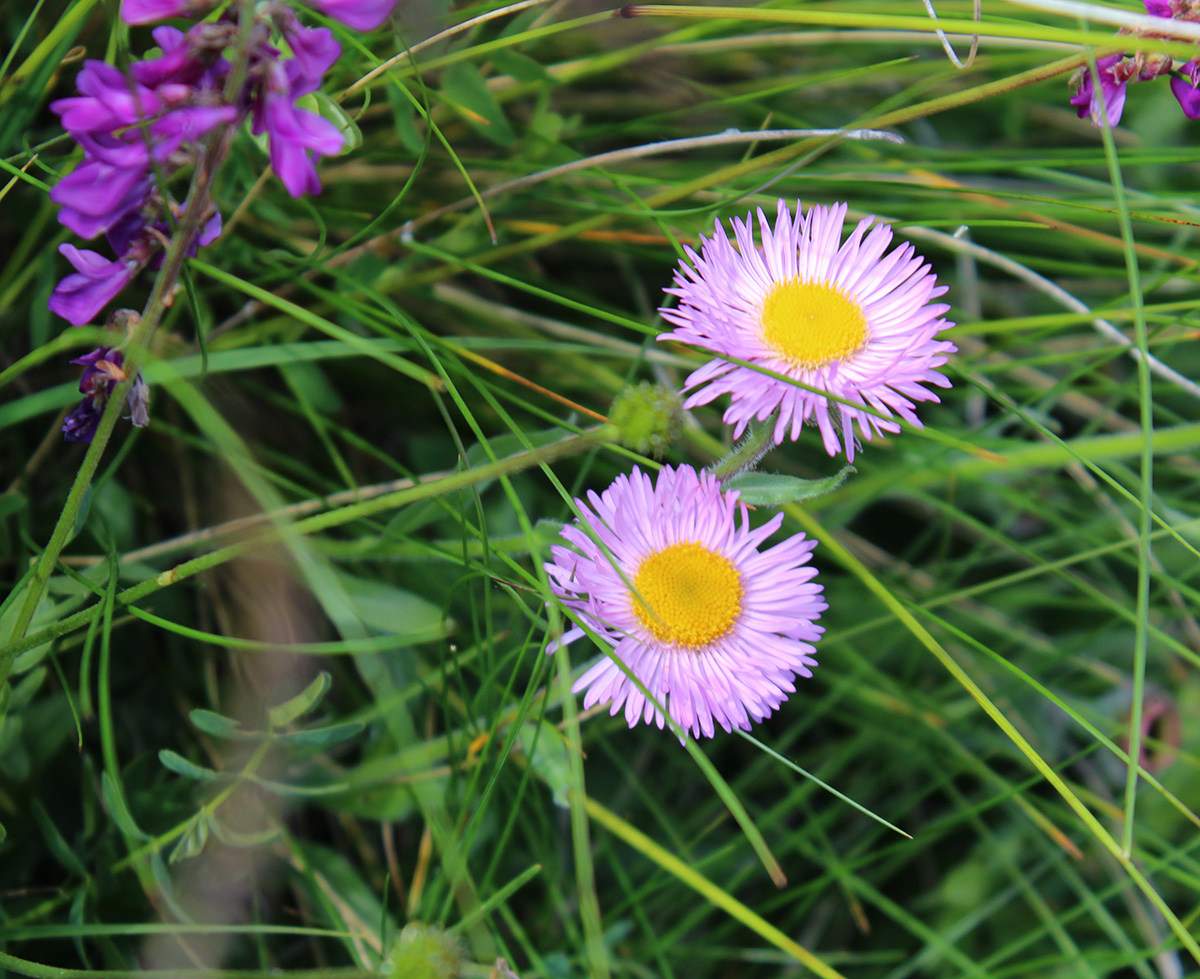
<point>812,324</point>
<point>695,594</point>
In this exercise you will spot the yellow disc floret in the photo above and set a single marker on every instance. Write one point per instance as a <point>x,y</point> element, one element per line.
<point>811,324</point>
<point>695,594</point>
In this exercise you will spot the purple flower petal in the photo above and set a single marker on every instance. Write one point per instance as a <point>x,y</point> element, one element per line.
<point>188,125</point>
<point>96,196</point>
<point>80,296</point>
<point>149,11</point>
<point>1087,98</point>
<point>315,52</point>
<point>362,15</point>
<point>80,425</point>
<point>296,136</point>
<point>106,102</point>
<point>1185,90</point>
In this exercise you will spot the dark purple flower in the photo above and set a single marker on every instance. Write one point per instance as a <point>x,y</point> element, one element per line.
<point>80,425</point>
<point>1158,8</point>
<point>94,284</point>
<point>102,370</point>
<point>1087,97</point>
<point>149,11</point>
<point>362,15</point>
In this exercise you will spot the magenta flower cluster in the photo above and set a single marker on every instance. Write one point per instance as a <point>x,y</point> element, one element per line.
<point>1106,100</point>
<point>180,109</point>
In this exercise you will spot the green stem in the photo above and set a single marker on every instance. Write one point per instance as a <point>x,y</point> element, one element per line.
<point>758,441</point>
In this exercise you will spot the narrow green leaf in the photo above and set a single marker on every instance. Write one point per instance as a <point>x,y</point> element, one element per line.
<point>466,89</point>
<point>302,703</point>
<point>772,489</point>
<point>322,736</point>
<point>218,725</point>
<point>547,751</point>
<point>115,803</point>
<point>192,842</point>
<point>181,766</point>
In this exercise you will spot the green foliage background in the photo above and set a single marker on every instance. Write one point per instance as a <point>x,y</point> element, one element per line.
<point>338,719</point>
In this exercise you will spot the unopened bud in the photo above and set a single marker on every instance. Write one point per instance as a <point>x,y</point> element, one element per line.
<point>648,418</point>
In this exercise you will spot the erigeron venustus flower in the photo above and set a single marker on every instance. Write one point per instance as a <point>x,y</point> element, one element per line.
<point>840,317</point>
<point>713,627</point>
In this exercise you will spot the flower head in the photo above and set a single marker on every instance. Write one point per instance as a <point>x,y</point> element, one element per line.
<point>713,627</point>
<point>841,318</point>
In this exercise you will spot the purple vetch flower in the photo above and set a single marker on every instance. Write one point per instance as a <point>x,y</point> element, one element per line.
<point>96,196</point>
<point>106,101</point>
<point>840,318</point>
<point>1087,96</point>
<point>102,372</point>
<point>1183,87</point>
<point>714,627</point>
<point>297,136</point>
<point>315,52</point>
<point>1117,70</point>
<point>94,284</point>
<point>362,15</point>
<point>150,11</point>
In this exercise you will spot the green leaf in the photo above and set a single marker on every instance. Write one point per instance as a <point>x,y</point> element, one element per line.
<point>218,725</point>
<point>519,66</point>
<point>394,611</point>
<point>300,789</point>
<point>23,692</point>
<point>302,703</point>
<point>56,844</point>
<point>466,90</point>
<point>232,837</point>
<point>115,803</point>
<point>192,841</point>
<point>181,766</point>
<point>548,757</point>
<point>772,489</point>
<point>322,736</point>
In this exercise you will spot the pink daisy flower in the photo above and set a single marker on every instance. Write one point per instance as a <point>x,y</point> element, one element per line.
<point>839,317</point>
<point>715,628</point>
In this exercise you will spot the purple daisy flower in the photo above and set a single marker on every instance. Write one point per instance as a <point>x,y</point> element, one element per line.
<point>841,318</point>
<point>713,627</point>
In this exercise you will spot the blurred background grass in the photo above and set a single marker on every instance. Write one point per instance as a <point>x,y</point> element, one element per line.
<point>160,815</point>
